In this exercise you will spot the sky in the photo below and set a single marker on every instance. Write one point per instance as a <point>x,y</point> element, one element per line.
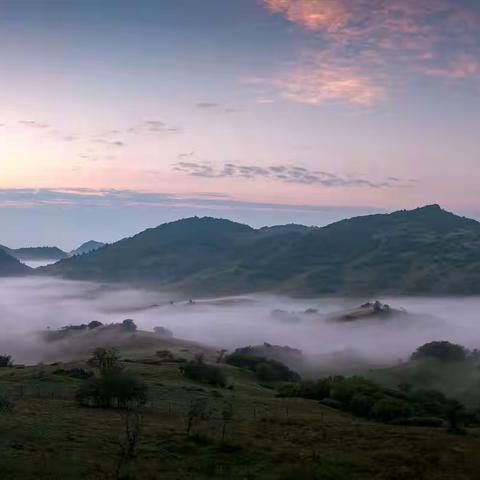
<point>119,115</point>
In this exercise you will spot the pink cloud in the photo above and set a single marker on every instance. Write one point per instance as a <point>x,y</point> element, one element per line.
<point>321,77</point>
<point>358,38</point>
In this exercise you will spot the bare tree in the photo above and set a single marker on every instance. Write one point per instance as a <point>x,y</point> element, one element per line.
<point>197,411</point>
<point>227,416</point>
<point>129,441</point>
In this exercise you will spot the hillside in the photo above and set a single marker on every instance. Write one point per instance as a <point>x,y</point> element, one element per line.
<point>10,266</point>
<point>426,250</point>
<point>244,431</point>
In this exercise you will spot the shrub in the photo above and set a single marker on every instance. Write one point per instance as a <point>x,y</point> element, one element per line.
<point>388,409</point>
<point>366,399</point>
<point>203,373</point>
<point>78,373</point>
<point>113,386</point>
<point>433,422</point>
<point>163,332</point>
<point>361,405</point>
<point>6,404</point>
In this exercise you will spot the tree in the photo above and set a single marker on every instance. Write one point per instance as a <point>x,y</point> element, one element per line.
<point>128,444</point>
<point>5,361</point>
<point>227,416</point>
<point>197,411</point>
<point>443,351</point>
<point>113,386</point>
<point>94,324</point>
<point>129,325</point>
<point>201,372</point>
<point>104,360</point>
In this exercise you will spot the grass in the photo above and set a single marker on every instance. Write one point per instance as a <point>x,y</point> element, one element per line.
<point>49,437</point>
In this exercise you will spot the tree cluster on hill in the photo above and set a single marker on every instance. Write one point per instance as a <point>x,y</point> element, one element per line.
<point>127,325</point>
<point>441,350</point>
<point>367,399</point>
<point>265,369</point>
<point>199,371</point>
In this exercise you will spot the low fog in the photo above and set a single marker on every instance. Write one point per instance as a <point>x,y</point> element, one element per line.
<point>30,305</point>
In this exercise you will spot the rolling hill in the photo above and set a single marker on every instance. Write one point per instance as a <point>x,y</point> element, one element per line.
<point>426,250</point>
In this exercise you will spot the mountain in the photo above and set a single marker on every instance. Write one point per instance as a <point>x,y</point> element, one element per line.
<point>37,253</point>
<point>421,251</point>
<point>10,267</point>
<point>87,247</point>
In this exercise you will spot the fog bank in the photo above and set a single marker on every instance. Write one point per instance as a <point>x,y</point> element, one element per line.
<point>33,304</point>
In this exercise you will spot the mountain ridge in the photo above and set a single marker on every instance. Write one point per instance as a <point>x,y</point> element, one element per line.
<point>426,250</point>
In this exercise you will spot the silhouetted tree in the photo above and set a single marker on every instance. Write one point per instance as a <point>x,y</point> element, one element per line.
<point>444,351</point>
<point>129,325</point>
<point>5,361</point>
<point>94,324</point>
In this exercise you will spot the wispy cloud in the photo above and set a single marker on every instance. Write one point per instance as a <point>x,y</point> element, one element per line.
<point>362,45</point>
<point>215,107</point>
<point>27,198</point>
<point>207,105</point>
<point>34,124</point>
<point>152,127</point>
<point>285,174</point>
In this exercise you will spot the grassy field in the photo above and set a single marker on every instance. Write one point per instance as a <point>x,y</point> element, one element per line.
<point>48,436</point>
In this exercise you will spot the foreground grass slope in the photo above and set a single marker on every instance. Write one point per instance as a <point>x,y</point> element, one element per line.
<point>48,436</point>
<point>426,250</point>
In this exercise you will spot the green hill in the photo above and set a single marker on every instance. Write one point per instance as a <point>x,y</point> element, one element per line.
<point>426,250</point>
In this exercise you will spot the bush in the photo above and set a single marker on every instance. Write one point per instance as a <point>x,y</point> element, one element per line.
<point>113,386</point>
<point>113,389</point>
<point>163,332</point>
<point>388,409</point>
<point>203,373</point>
<point>444,351</point>
<point>366,399</point>
<point>5,361</point>
<point>6,404</point>
<point>433,422</point>
<point>78,373</point>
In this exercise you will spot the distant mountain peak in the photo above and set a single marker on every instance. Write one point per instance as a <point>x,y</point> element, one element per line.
<point>87,247</point>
